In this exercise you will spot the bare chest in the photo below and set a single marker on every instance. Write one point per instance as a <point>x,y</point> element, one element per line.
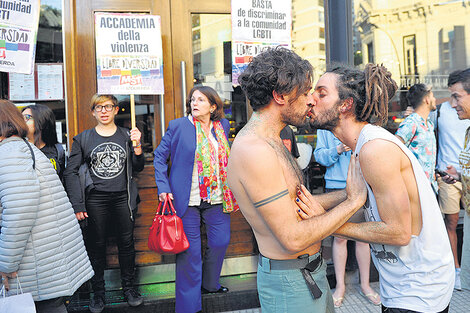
<point>292,173</point>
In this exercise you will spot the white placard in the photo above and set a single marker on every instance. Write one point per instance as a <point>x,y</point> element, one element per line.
<point>129,55</point>
<point>18,31</point>
<point>258,25</point>
<point>21,13</point>
<point>261,20</point>
<point>21,87</point>
<point>50,82</point>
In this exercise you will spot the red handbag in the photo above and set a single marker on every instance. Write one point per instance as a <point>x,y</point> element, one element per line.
<point>166,233</point>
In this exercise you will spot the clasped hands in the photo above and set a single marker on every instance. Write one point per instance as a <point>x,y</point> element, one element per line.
<point>355,188</point>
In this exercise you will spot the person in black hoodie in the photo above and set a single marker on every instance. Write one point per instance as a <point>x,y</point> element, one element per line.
<point>111,197</point>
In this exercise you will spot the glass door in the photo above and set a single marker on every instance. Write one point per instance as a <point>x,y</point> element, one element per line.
<point>201,32</point>
<point>202,56</point>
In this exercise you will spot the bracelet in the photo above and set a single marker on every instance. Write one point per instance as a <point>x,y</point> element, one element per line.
<point>139,145</point>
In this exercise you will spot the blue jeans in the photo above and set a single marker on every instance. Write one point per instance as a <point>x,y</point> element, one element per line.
<point>285,291</point>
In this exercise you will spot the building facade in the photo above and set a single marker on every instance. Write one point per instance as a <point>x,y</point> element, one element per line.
<point>419,41</point>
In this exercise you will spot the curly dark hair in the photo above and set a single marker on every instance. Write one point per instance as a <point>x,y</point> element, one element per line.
<point>416,94</point>
<point>371,90</point>
<point>279,70</point>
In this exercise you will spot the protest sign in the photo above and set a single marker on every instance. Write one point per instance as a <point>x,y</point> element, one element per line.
<point>18,31</point>
<point>258,25</point>
<point>129,55</point>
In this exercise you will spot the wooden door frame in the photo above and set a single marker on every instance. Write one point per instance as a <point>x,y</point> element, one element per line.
<point>182,45</point>
<point>80,64</point>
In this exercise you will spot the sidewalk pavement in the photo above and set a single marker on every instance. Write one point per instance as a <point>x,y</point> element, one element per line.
<point>355,303</point>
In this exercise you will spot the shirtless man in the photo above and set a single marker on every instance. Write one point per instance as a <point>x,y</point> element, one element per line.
<point>403,221</point>
<point>265,179</point>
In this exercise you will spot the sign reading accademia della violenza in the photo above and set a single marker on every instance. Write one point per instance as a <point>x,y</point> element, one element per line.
<point>18,29</point>
<point>258,25</point>
<point>129,56</point>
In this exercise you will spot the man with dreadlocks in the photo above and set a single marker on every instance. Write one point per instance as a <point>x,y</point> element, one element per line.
<point>403,222</point>
<point>265,179</point>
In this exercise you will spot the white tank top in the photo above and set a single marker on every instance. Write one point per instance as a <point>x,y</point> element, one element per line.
<point>419,276</point>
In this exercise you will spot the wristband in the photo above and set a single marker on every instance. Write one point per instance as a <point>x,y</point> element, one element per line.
<point>139,145</point>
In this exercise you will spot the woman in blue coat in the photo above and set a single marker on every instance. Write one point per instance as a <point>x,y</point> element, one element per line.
<point>197,183</point>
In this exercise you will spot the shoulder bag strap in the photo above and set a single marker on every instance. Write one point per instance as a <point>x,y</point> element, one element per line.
<point>60,152</point>
<point>84,140</point>
<point>32,152</point>
<point>436,129</point>
<point>84,143</point>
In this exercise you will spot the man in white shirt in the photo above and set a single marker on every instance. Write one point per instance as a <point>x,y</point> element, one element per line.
<point>450,136</point>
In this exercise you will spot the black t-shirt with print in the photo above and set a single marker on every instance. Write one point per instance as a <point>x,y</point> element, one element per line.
<point>107,161</point>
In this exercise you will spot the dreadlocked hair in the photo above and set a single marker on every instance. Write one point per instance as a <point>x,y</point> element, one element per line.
<point>371,90</point>
<point>380,89</point>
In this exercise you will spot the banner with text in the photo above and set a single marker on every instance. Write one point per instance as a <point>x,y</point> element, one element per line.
<point>129,55</point>
<point>18,31</point>
<point>258,25</point>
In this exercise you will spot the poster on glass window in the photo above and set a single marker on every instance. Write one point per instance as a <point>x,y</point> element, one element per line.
<point>129,57</point>
<point>258,25</point>
<point>18,32</point>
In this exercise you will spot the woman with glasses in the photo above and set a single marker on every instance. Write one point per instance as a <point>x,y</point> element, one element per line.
<point>111,199</point>
<point>198,148</point>
<point>42,132</point>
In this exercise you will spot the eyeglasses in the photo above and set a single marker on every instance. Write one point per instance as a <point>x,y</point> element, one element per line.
<point>27,117</point>
<point>108,107</point>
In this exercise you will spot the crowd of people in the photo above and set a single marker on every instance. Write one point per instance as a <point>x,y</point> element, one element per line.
<point>398,197</point>
<point>96,192</point>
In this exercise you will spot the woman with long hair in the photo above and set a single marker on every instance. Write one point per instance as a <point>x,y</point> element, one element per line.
<point>42,132</point>
<point>40,239</point>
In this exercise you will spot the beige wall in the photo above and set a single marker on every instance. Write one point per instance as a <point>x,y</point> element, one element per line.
<point>307,20</point>
<point>424,19</point>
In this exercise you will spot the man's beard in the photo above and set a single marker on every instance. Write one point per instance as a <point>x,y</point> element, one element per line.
<point>292,118</point>
<point>328,120</point>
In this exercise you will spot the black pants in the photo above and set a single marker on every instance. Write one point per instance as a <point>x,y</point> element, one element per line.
<point>55,305</point>
<point>395,310</point>
<point>105,211</point>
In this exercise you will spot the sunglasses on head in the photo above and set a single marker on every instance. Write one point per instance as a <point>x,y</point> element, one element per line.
<point>27,117</point>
